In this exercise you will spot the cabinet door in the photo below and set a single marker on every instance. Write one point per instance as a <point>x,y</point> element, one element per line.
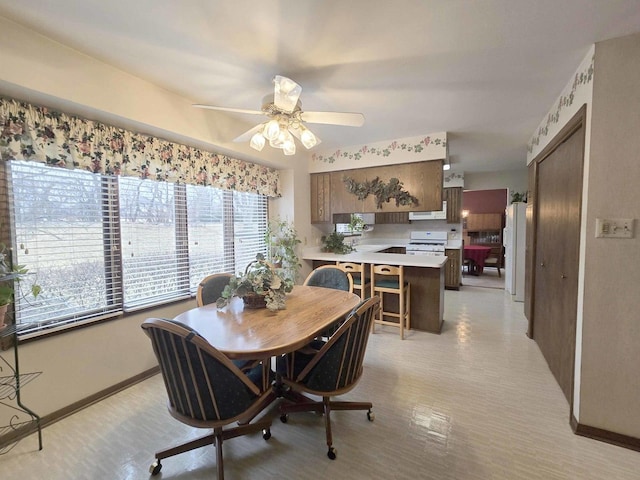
<point>453,197</point>
<point>452,269</point>
<point>477,222</point>
<point>392,217</point>
<point>320,198</point>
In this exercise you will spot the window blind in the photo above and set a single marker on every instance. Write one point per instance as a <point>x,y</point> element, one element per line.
<point>66,234</point>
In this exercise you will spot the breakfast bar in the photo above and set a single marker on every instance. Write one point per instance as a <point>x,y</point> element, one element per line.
<point>424,272</point>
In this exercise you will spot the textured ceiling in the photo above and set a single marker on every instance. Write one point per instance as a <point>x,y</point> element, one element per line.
<point>484,71</point>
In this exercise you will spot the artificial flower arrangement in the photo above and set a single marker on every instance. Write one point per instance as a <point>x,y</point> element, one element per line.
<point>261,285</point>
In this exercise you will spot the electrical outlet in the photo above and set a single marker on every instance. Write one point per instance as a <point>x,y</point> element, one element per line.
<point>614,227</point>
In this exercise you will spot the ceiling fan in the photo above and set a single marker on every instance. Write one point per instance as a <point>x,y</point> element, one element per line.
<point>287,120</point>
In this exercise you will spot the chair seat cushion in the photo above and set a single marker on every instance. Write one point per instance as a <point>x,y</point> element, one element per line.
<point>390,283</point>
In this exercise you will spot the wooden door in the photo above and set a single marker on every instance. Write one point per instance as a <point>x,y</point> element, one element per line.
<point>558,205</point>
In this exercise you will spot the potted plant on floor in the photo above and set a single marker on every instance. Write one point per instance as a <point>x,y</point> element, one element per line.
<point>261,285</point>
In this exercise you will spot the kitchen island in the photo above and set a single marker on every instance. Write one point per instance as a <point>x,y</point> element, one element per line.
<point>425,274</point>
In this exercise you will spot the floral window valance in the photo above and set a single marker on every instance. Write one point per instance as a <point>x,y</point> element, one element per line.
<point>29,132</point>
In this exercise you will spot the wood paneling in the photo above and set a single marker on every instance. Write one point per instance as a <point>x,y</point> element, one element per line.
<point>422,180</point>
<point>453,197</point>
<point>477,222</point>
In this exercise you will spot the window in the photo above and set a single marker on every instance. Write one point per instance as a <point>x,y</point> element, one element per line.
<point>102,245</point>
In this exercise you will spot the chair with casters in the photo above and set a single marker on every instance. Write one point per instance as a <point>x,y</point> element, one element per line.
<point>330,276</point>
<point>358,272</point>
<point>206,390</point>
<point>389,280</point>
<point>210,288</point>
<point>333,369</point>
<point>494,260</point>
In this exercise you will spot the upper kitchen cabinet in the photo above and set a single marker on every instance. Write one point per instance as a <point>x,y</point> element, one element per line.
<point>422,180</point>
<point>321,198</point>
<point>484,222</point>
<point>453,197</point>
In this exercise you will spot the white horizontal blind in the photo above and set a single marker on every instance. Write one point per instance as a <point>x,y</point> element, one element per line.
<point>207,230</point>
<point>250,216</point>
<point>154,243</point>
<point>66,234</point>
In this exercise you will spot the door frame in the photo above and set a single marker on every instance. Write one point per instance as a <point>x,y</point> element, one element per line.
<point>579,120</point>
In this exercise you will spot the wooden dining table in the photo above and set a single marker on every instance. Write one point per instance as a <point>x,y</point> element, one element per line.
<point>242,333</point>
<point>477,254</point>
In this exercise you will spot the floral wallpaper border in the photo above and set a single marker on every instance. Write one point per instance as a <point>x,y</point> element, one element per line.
<point>416,147</point>
<point>580,80</point>
<point>35,133</point>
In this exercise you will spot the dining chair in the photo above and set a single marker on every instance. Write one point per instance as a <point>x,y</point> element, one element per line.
<point>330,276</point>
<point>358,272</point>
<point>210,288</point>
<point>494,260</point>
<point>205,389</point>
<point>332,370</point>
<point>389,280</point>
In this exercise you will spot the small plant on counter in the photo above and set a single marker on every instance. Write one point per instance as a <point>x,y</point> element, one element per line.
<point>334,243</point>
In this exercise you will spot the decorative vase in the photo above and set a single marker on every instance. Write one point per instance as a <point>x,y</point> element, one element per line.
<point>254,300</point>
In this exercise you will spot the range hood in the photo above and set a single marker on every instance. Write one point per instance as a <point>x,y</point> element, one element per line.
<point>435,215</point>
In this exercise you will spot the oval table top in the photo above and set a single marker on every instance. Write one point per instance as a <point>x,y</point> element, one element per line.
<point>250,334</point>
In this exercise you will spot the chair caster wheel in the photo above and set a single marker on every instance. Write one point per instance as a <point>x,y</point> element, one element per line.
<point>266,433</point>
<point>155,467</point>
<point>371,416</point>
<point>332,453</point>
<point>284,418</point>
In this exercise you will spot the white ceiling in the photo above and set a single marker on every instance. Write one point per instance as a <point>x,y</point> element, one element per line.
<point>485,71</point>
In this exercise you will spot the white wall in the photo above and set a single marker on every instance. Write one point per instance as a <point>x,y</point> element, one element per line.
<point>513,180</point>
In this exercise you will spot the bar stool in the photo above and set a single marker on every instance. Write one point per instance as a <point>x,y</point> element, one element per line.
<point>389,279</point>
<point>358,273</point>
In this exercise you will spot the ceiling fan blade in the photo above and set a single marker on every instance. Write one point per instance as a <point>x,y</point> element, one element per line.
<point>346,119</point>
<point>249,133</point>
<point>227,109</point>
<point>286,93</point>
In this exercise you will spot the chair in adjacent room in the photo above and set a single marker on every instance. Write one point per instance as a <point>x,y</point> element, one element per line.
<point>206,390</point>
<point>389,280</point>
<point>210,288</point>
<point>334,369</point>
<point>358,272</point>
<point>330,276</point>
<point>494,260</point>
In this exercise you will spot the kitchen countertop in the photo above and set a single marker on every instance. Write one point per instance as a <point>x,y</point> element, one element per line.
<point>366,253</point>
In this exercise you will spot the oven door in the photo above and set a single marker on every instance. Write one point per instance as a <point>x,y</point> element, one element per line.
<point>432,253</point>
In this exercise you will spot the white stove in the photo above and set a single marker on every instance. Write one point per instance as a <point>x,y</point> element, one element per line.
<point>427,243</point>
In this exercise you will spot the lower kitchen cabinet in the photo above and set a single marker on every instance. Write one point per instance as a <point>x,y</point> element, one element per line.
<point>453,269</point>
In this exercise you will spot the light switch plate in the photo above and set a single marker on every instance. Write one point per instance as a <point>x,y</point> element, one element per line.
<point>614,227</point>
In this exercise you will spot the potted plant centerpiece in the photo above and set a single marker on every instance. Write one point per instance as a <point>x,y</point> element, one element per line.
<point>10,276</point>
<point>261,285</point>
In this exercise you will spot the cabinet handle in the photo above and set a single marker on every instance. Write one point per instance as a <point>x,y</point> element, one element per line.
<point>542,264</point>
<point>563,276</point>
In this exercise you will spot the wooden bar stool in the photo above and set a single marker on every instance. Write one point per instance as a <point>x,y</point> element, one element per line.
<point>389,279</point>
<point>358,272</point>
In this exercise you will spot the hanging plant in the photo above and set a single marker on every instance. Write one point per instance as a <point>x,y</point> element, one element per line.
<point>383,192</point>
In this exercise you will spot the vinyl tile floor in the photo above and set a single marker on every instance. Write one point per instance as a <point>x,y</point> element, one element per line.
<point>476,402</point>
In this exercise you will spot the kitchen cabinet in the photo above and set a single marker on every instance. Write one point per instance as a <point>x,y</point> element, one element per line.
<point>392,217</point>
<point>453,269</point>
<point>453,197</point>
<point>320,198</point>
<point>423,180</point>
<point>477,222</point>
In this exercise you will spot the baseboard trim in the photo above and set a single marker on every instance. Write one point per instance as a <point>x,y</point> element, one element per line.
<point>22,432</point>
<point>607,436</point>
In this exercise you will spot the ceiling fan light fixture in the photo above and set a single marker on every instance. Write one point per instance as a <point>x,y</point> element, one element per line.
<point>307,138</point>
<point>257,141</point>
<point>287,92</point>
<point>289,148</point>
<point>272,129</point>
